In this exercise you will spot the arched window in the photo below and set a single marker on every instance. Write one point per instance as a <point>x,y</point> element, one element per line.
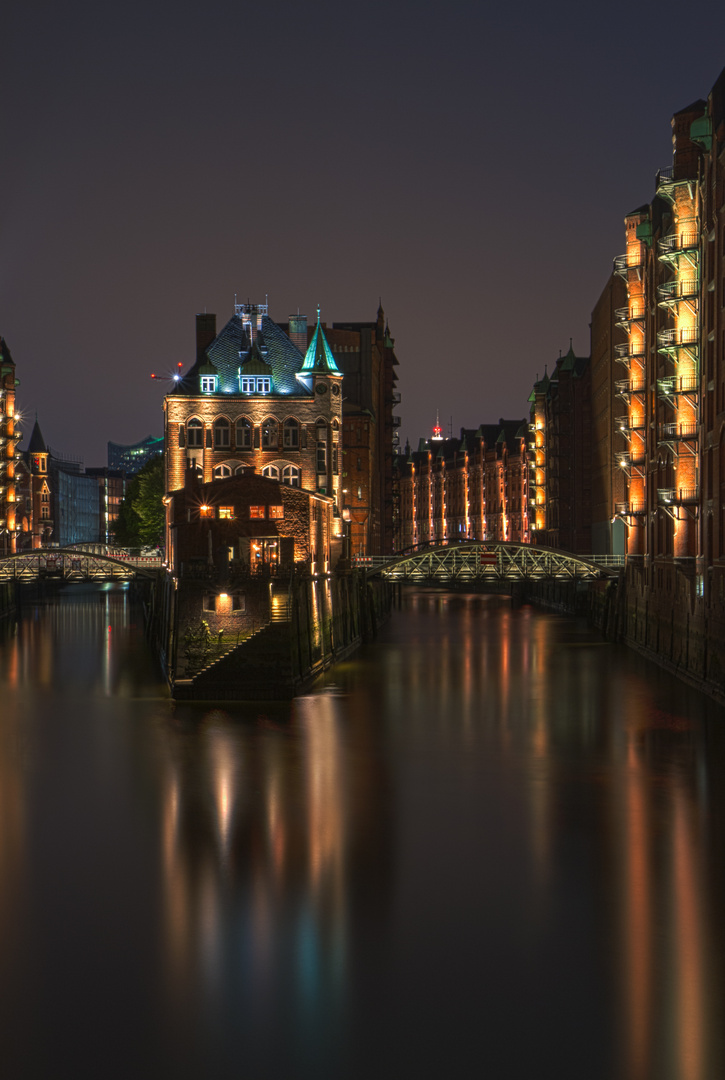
<point>270,434</point>
<point>291,434</point>
<point>221,471</point>
<point>222,433</point>
<point>194,432</point>
<point>271,471</point>
<point>244,434</point>
<point>291,475</point>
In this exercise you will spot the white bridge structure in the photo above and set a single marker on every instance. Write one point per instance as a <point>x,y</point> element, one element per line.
<point>488,561</point>
<point>91,562</point>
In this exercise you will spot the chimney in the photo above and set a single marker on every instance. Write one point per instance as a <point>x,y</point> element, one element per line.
<point>298,331</point>
<point>205,333</point>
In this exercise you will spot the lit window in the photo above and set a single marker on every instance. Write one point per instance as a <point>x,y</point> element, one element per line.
<point>206,511</point>
<point>208,384</point>
<point>291,475</point>
<point>270,434</point>
<point>271,471</point>
<point>244,434</point>
<point>45,511</point>
<point>276,511</point>
<point>195,433</point>
<point>226,512</point>
<point>256,511</point>
<point>248,384</point>
<point>291,434</point>
<point>264,385</point>
<point>222,433</point>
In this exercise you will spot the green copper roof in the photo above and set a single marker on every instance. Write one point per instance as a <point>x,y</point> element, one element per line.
<point>569,361</point>
<point>319,354</point>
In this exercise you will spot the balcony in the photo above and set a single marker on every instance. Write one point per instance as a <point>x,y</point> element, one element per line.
<point>630,459</point>
<point>396,397</point>
<point>670,388</point>
<point>629,352</point>
<point>625,316</point>
<point>397,421</point>
<point>628,424</point>
<point>666,182</point>
<point>671,341</point>
<point>625,387</point>
<point>672,292</point>
<point>678,496</point>
<point>631,260</point>
<point>630,509</point>
<point>675,244</point>
<point>678,432</point>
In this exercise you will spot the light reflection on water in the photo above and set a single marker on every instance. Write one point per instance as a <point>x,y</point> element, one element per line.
<point>488,841</point>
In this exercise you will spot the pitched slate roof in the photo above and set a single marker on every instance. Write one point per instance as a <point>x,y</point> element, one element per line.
<point>37,442</point>
<point>231,349</point>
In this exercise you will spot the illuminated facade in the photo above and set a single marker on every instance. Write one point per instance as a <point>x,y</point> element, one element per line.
<point>9,436</point>
<point>255,402</point>
<point>475,487</point>
<point>560,496</point>
<point>38,524</point>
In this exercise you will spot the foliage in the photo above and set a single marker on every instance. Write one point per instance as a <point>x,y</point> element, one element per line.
<point>141,515</point>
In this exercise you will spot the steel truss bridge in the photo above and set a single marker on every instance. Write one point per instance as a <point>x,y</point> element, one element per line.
<point>77,564</point>
<point>488,562</point>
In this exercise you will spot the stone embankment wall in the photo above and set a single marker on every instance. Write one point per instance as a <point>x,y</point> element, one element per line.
<point>660,611</point>
<point>278,638</point>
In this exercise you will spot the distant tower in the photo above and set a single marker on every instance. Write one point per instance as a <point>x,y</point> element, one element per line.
<point>437,430</point>
<point>37,456</point>
<point>9,436</point>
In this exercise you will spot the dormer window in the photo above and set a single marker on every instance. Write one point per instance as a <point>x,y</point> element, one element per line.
<point>208,384</point>
<point>255,384</point>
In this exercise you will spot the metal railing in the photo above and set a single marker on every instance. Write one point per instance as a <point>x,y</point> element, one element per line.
<point>674,432</point>
<point>677,242</point>
<point>678,496</point>
<point>678,384</point>
<point>675,337</point>
<point>630,509</point>
<point>679,289</point>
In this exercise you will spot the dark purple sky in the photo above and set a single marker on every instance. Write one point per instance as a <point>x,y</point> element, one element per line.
<point>471,163</point>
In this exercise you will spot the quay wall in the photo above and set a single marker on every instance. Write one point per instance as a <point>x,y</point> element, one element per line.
<point>670,615</point>
<point>8,598</point>
<point>255,637</point>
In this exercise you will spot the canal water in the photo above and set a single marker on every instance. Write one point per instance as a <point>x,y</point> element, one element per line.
<point>488,845</point>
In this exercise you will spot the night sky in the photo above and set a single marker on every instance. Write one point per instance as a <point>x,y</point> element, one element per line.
<point>470,163</point>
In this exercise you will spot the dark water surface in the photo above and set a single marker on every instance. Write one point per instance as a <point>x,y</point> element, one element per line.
<point>490,845</point>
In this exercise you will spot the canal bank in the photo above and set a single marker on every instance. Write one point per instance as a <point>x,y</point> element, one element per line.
<point>247,637</point>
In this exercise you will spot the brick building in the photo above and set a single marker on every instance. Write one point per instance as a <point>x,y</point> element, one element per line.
<point>9,436</point>
<point>254,402</point>
<point>560,423</point>
<point>471,488</point>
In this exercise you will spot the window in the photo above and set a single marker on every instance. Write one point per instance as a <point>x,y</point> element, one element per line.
<point>321,457</point>
<point>248,384</point>
<point>291,434</point>
<point>195,432</point>
<point>206,511</point>
<point>270,434</point>
<point>45,511</point>
<point>226,512</point>
<point>244,434</point>
<point>45,497</point>
<point>291,475</point>
<point>359,493</point>
<point>276,511</point>
<point>221,471</point>
<point>271,471</point>
<point>238,602</point>
<point>264,385</point>
<point>256,511</point>
<point>222,434</point>
<point>208,384</point>
<point>209,602</point>
<point>334,460</point>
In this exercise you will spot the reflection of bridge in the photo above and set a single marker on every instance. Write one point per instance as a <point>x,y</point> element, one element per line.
<point>77,564</point>
<point>488,561</point>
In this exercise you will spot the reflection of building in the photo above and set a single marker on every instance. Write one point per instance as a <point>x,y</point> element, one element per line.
<point>471,488</point>
<point>9,436</point>
<point>132,458</point>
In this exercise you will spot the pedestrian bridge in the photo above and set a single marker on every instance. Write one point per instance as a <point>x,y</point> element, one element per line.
<point>78,564</point>
<point>489,561</point>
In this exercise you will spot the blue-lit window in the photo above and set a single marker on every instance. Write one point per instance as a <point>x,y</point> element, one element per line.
<point>248,384</point>
<point>208,384</point>
<point>264,385</point>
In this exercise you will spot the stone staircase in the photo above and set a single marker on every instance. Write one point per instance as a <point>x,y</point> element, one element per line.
<point>260,668</point>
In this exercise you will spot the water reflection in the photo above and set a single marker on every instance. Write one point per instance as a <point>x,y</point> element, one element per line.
<point>489,837</point>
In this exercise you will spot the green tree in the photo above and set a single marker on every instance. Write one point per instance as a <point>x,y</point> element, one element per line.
<point>141,514</point>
